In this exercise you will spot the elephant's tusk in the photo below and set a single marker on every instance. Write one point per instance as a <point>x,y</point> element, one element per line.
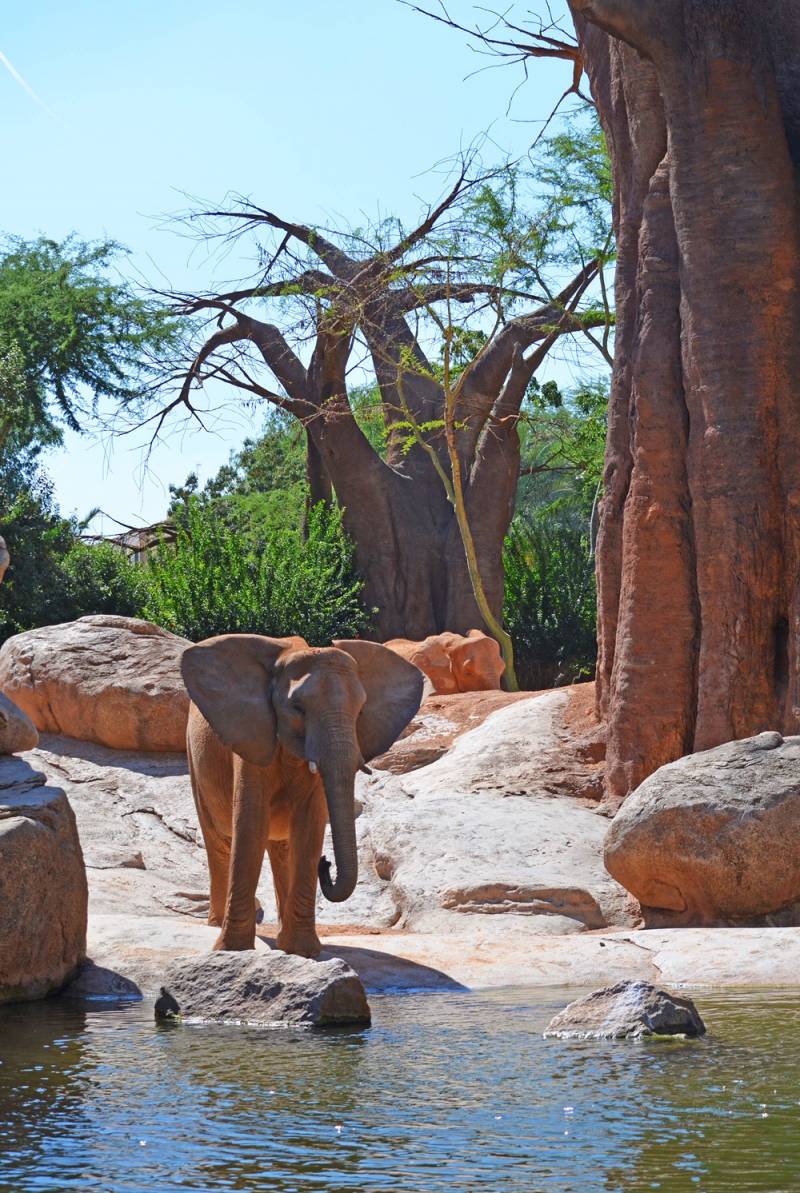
<point>312,766</point>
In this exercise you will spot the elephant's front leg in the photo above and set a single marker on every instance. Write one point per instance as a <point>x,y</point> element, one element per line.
<point>248,836</point>
<point>307,818</point>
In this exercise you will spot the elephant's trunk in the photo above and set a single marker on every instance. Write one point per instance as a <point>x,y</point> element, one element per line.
<point>338,768</point>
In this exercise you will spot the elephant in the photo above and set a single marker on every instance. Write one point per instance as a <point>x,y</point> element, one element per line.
<point>455,662</point>
<point>276,734</point>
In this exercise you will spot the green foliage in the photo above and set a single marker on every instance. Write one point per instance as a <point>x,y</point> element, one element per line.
<point>53,575</point>
<point>71,333</point>
<point>100,578</point>
<point>32,593</point>
<point>574,172</point>
<point>550,603</point>
<point>562,441</point>
<point>262,487</point>
<point>213,580</point>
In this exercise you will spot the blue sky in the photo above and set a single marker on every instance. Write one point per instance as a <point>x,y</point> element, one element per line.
<point>320,110</point>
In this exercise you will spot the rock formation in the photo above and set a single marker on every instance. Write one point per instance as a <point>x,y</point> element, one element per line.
<point>714,838</point>
<point>266,988</point>
<point>628,1010</point>
<point>43,895</point>
<point>17,730</point>
<point>111,680</point>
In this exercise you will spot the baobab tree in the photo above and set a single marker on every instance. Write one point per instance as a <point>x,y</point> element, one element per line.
<point>699,540</point>
<point>699,611</point>
<point>323,302</point>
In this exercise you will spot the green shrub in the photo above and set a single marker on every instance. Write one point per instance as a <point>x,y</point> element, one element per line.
<point>214,580</point>
<point>550,604</point>
<point>102,579</point>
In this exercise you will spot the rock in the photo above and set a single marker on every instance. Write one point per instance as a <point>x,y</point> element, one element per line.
<point>484,832</point>
<point>437,725</point>
<point>43,895</point>
<point>111,680</point>
<point>97,982</point>
<point>628,1010</point>
<point>115,860</point>
<point>266,988</point>
<point>714,838</point>
<point>141,947</point>
<point>17,731</point>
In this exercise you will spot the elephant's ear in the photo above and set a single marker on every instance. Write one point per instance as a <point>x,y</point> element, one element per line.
<point>229,679</point>
<point>394,693</point>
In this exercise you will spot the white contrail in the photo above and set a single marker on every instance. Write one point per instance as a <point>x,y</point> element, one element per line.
<point>12,70</point>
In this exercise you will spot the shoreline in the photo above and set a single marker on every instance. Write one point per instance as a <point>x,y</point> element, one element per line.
<point>140,948</point>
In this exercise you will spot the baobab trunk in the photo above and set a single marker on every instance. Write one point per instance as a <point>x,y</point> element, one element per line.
<point>698,552</point>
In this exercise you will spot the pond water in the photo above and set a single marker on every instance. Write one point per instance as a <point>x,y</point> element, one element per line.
<point>453,1091</point>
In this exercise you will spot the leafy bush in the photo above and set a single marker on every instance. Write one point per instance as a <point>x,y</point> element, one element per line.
<point>100,578</point>
<point>213,580</point>
<point>550,604</point>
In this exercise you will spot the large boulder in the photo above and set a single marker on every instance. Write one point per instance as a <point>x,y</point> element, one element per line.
<point>714,838</point>
<point>17,731</point>
<point>628,1010</point>
<point>111,680</point>
<point>43,896</point>
<point>264,987</point>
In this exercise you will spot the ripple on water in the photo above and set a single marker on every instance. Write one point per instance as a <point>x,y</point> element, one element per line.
<point>444,1092</point>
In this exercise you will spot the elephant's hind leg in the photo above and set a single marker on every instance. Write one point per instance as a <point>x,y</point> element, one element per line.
<point>279,861</point>
<point>218,852</point>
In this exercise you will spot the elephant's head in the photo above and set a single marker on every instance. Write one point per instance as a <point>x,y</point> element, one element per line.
<point>477,663</point>
<point>333,707</point>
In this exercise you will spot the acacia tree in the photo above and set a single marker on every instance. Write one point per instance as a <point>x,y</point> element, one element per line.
<point>371,290</point>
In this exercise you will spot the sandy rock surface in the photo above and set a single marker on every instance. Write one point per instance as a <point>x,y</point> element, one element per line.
<point>476,870</point>
<point>714,838</point>
<point>627,1010</point>
<point>111,680</point>
<point>478,837</point>
<point>43,898</point>
<point>481,833</point>
<point>140,948</point>
<point>263,987</point>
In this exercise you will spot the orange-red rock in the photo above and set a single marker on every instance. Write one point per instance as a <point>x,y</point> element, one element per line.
<point>43,894</point>
<point>111,680</point>
<point>714,838</point>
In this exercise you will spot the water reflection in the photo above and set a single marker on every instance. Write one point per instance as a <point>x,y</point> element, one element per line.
<point>446,1092</point>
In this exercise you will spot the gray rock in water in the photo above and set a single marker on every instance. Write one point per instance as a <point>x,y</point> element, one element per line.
<point>98,982</point>
<point>628,1010</point>
<point>263,988</point>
